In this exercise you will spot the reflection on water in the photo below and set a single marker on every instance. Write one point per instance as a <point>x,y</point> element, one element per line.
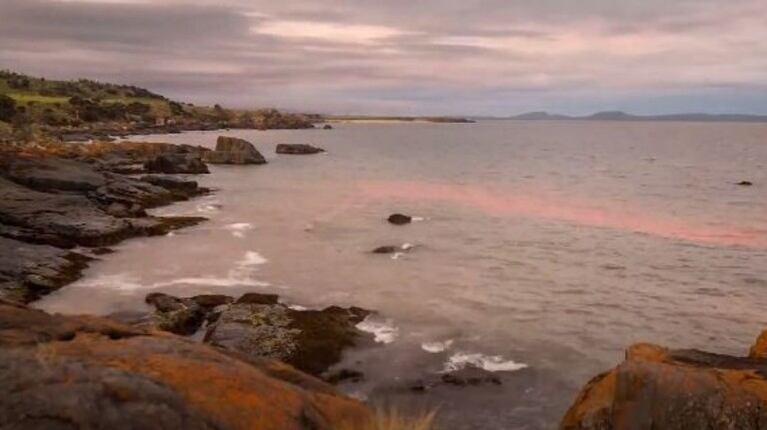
<point>544,250</point>
<point>594,213</point>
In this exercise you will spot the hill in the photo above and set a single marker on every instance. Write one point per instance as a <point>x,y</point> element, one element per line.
<point>31,106</point>
<point>623,116</point>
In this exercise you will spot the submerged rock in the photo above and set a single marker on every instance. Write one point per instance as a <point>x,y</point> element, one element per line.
<point>657,388</point>
<point>745,183</point>
<point>298,149</point>
<point>400,219</point>
<point>231,150</point>
<point>327,127</point>
<point>389,249</point>
<point>62,372</point>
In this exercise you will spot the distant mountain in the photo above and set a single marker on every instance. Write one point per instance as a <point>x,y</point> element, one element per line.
<point>623,116</point>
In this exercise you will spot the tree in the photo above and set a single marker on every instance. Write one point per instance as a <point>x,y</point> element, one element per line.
<point>7,108</point>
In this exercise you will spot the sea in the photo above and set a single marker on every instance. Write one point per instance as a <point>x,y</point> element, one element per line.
<point>538,252</point>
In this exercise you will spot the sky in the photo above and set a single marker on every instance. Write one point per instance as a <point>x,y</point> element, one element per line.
<point>407,57</point>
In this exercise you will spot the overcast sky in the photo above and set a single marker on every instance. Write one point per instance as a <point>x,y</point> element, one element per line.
<point>492,57</point>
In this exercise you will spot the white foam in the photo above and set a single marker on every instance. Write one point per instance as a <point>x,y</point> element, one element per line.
<point>298,308</point>
<point>418,218</point>
<point>407,246</point>
<point>238,229</point>
<point>397,255</point>
<point>213,282</point>
<point>491,363</point>
<point>437,347</point>
<point>252,258</point>
<point>208,208</point>
<point>382,331</point>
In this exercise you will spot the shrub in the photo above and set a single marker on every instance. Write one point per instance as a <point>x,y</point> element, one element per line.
<point>7,108</point>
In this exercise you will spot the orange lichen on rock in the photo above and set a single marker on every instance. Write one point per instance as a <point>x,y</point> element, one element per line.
<point>119,377</point>
<point>759,349</point>
<point>657,388</point>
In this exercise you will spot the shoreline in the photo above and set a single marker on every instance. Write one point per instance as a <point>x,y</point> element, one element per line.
<point>93,178</point>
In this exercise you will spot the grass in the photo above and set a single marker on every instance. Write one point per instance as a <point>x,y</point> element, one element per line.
<point>25,98</point>
<point>392,419</point>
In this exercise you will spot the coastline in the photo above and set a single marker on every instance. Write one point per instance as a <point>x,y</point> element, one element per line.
<point>599,404</point>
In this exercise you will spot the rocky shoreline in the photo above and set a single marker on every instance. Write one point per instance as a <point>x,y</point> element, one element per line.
<point>216,361</point>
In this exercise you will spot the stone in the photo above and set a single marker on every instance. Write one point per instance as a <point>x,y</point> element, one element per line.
<point>298,149</point>
<point>310,340</point>
<point>231,150</point>
<point>745,183</point>
<point>661,389</point>
<point>176,163</point>
<point>387,249</point>
<point>62,372</point>
<point>400,219</point>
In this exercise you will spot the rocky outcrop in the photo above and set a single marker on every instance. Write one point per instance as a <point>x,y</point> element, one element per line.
<point>257,325</point>
<point>176,163</point>
<point>298,149</point>
<point>68,202</point>
<point>28,271</point>
<point>62,372</point>
<point>661,389</point>
<point>759,349</point>
<point>231,150</point>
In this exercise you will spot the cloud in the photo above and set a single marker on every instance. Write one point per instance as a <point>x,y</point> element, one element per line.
<point>430,56</point>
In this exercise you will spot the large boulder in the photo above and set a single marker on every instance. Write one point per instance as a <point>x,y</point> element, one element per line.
<point>231,150</point>
<point>257,325</point>
<point>298,149</point>
<point>660,389</point>
<point>62,372</point>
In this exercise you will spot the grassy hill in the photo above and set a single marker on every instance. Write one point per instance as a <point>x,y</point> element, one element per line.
<point>31,107</point>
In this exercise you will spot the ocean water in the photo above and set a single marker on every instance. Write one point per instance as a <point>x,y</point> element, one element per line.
<point>541,251</point>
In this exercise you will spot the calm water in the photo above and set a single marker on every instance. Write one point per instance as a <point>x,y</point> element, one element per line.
<point>550,245</point>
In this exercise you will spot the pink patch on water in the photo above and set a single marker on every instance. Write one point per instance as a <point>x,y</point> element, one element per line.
<point>546,205</point>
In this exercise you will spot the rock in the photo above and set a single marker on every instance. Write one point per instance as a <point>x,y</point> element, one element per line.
<point>657,388</point>
<point>171,183</point>
<point>175,164</point>
<point>470,376</point>
<point>71,218</point>
<point>387,249</point>
<point>210,301</point>
<point>745,183</point>
<point>231,150</point>
<point>310,340</point>
<point>392,249</point>
<point>400,219</point>
<point>62,372</point>
<point>344,375</point>
<point>259,299</point>
<point>28,272</point>
<point>102,251</point>
<point>327,127</point>
<point>179,316</point>
<point>298,149</point>
<point>759,350</point>
<point>53,174</point>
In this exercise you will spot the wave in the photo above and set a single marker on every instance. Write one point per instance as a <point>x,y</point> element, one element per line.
<point>491,363</point>
<point>437,347</point>
<point>382,331</point>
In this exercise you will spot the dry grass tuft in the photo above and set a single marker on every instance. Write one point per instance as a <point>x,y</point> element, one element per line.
<point>392,419</point>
